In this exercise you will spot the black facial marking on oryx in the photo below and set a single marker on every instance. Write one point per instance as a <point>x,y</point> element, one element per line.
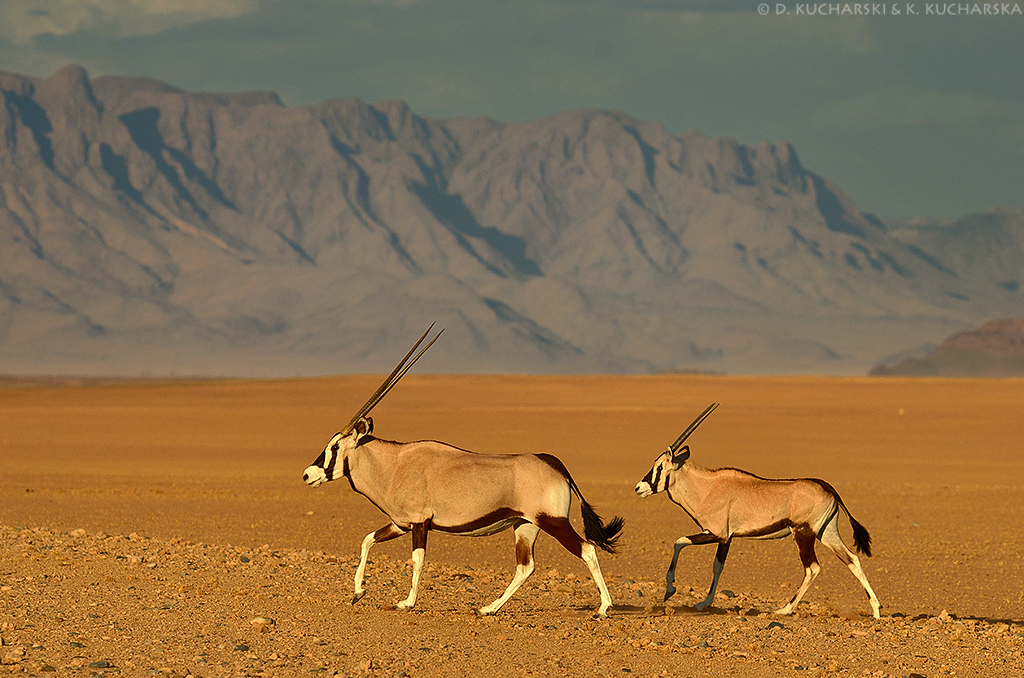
<point>653,482</point>
<point>428,485</point>
<point>727,503</point>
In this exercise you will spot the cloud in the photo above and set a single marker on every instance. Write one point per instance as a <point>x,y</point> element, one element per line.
<point>23,20</point>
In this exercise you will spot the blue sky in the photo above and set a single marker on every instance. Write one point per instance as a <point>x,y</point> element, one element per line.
<point>911,114</point>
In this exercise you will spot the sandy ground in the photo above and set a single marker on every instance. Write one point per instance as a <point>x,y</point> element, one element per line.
<point>163,528</point>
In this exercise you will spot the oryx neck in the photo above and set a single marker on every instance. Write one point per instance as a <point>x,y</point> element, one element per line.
<point>689,483</point>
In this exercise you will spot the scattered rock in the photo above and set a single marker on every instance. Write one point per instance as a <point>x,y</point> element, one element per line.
<point>14,655</point>
<point>999,629</point>
<point>262,624</point>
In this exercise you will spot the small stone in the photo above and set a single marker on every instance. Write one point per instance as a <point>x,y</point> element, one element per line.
<point>79,533</point>
<point>728,594</point>
<point>241,648</point>
<point>14,656</point>
<point>262,624</point>
<point>100,665</point>
<point>776,625</point>
<point>703,644</point>
<point>244,559</point>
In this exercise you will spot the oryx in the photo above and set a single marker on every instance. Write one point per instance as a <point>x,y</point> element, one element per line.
<point>727,503</point>
<point>428,485</point>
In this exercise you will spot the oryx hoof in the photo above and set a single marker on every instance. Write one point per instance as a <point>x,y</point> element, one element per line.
<point>358,596</point>
<point>702,605</point>
<point>483,613</point>
<point>669,592</point>
<point>784,611</point>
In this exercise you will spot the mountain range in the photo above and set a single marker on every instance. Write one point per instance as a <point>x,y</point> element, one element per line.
<point>146,230</point>
<point>996,349</point>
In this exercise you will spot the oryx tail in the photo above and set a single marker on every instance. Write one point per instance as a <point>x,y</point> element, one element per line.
<point>861,538</point>
<point>605,537</point>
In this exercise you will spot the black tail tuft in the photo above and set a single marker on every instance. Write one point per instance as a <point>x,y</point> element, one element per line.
<point>605,537</point>
<point>861,538</point>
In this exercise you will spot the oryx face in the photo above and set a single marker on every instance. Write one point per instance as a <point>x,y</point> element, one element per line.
<point>331,462</point>
<point>656,479</point>
<point>323,468</point>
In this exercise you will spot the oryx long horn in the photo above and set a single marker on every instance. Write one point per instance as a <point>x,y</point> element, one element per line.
<point>392,379</point>
<point>689,429</point>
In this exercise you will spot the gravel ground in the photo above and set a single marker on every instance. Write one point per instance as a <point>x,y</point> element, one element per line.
<point>98,604</point>
<point>162,529</point>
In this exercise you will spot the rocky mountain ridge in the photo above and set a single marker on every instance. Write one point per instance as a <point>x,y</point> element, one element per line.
<point>996,349</point>
<point>149,230</point>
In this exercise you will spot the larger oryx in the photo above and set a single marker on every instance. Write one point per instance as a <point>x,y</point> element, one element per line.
<point>727,503</point>
<point>428,485</point>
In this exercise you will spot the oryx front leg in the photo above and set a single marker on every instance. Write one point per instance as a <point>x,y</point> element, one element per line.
<point>526,535</point>
<point>719,565</point>
<point>681,543</point>
<point>383,534</point>
<point>419,553</point>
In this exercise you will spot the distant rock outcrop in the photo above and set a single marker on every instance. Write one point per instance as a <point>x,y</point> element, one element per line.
<point>149,230</point>
<point>996,349</point>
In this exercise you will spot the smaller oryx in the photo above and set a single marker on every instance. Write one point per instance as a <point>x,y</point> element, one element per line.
<point>727,503</point>
<point>428,485</point>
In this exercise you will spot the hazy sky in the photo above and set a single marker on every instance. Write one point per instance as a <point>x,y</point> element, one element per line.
<point>909,113</point>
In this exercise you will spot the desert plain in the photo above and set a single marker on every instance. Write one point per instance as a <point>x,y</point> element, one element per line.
<point>155,528</point>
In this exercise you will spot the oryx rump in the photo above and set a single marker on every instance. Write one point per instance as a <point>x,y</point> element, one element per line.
<point>727,503</point>
<point>428,485</point>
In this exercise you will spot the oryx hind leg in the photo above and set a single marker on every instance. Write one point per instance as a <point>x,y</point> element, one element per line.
<point>526,535</point>
<point>385,533</point>
<point>681,543</point>
<point>805,542</point>
<point>561,529</point>
<point>830,538</point>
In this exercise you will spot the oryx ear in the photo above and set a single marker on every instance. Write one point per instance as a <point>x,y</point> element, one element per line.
<point>680,458</point>
<point>363,427</point>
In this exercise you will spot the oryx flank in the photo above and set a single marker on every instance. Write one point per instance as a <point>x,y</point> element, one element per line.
<point>428,485</point>
<point>727,503</point>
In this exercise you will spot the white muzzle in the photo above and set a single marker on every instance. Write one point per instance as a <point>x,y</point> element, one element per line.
<point>314,476</point>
